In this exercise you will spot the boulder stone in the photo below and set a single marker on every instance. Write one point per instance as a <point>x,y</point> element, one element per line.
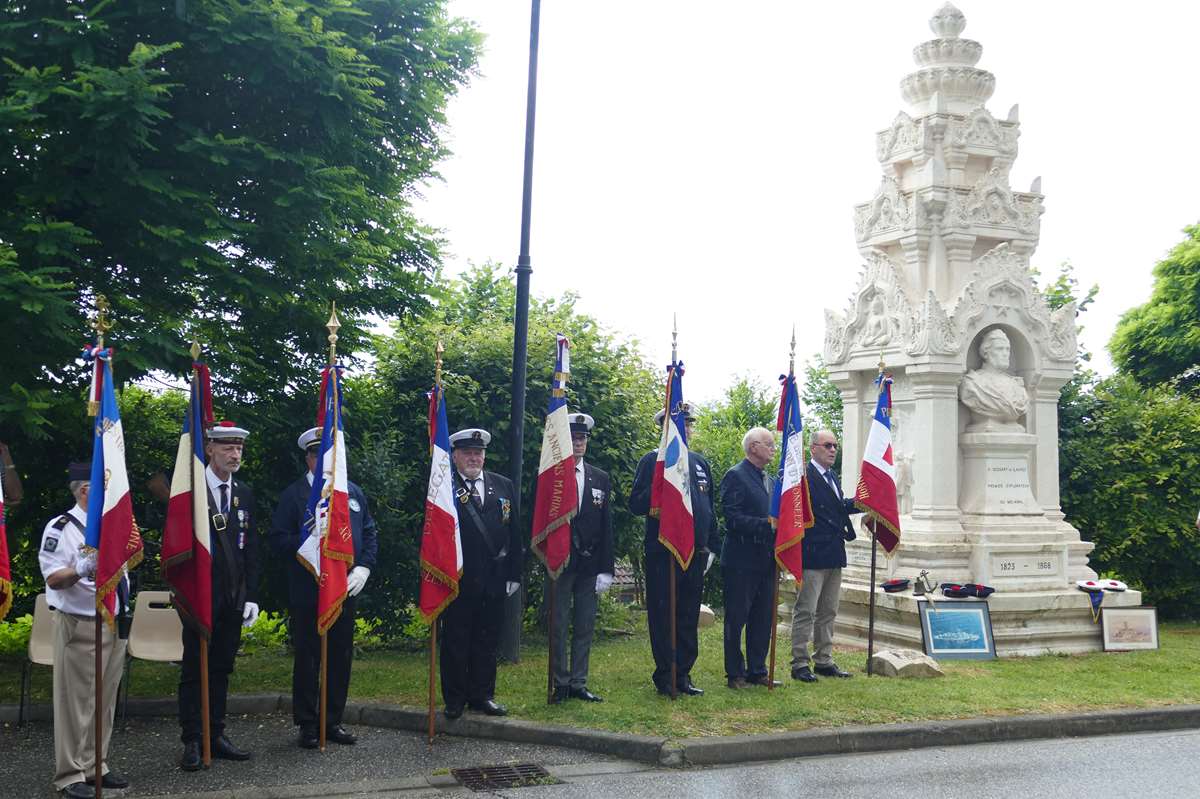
<point>904,663</point>
<point>707,617</point>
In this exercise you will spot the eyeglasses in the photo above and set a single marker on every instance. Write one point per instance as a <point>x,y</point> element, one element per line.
<point>828,445</point>
<point>768,444</point>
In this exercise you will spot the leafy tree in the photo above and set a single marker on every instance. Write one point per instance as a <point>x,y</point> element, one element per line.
<point>1160,340</point>
<point>821,398</point>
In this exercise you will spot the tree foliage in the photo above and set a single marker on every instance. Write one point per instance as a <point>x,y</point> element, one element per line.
<point>1160,340</point>
<point>821,398</point>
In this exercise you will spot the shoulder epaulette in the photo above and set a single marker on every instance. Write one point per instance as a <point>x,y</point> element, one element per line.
<point>61,522</point>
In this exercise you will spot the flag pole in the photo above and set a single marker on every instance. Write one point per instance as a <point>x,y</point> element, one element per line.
<point>775,598</point>
<point>101,325</point>
<point>550,642</point>
<point>437,383</point>
<point>332,326</point>
<point>205,731</point>
<point>871,586</point>
<point>674,565</point>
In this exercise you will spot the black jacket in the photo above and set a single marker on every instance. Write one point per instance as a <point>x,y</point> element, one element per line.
<point>285,537</point>
<point>234,550</point>
<point>825,542</point>
<point>591,529</point>
<point>746,505</point>
<point>493,556</point>
<point>705,519</point>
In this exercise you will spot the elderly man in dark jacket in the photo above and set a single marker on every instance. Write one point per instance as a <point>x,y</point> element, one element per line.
<point>748,561</point>
<point>302,600</point>
<point>824,558</point>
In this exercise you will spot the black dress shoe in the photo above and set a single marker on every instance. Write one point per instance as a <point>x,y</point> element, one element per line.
<point>308,738</point>
<point>340,735</point>
<point>110,780</point>
<point>453,711</point>
<point>690,690</point>
<point>584,694</point>
<point>803,674</point>
<point>79,790</point>
<point>191,756</point>
<point>489,707</point>
<point>764,681</point>
<point>560,695</point>
<point>223,749</point>
<point>832,670</point>
<point>735,682</point>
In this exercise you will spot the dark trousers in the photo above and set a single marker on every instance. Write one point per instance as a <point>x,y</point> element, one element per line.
<point>575,603</point>
<point>688,587</point>
<point>748,598</point>
<point>470,633</point>
<point>306,665</point>
<point>223,646</point>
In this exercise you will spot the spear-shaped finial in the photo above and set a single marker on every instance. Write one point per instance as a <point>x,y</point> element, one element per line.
<point>101,324</point>
<point>332,325</point>
<point>195,350</point>
<point>792,353</point>
<point>674,336</point>
<point>437,374</point>
<point>881,364</point>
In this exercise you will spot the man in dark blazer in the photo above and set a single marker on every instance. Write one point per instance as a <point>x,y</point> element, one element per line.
<point>748,561</point>
<point>492,561</point>
<point>589,571</point>
<point>824,558</point>
<point>234,547</point>
<point>659,561</point>
<point>286,524</point>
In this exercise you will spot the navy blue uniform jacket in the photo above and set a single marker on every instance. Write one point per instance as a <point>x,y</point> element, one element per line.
<point>591,529</point>
<point>703,516</point>
<point>749,536</point>
<point>825,542</point>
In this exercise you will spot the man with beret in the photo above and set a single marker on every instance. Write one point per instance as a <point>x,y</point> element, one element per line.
<point>588,573</point>
<point>748,561</point>
<point>70,575</point>
<point>492,561</point>
<point>286,524</point>
<point>234,596</point>
<point>824,558</point>
<point>658,564</point>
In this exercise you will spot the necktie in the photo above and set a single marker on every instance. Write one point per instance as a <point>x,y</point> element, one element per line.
<point>224,498</point>
<point>767,484</point>
<point>832,483</point>
<point>475,489</point>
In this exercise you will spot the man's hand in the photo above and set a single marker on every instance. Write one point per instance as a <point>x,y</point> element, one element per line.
<point>85,565</point>
<point>356,580</point>
<point>249,614</point>
<point>711,559</point>
<point>510,588</point>
<point>603,582</point>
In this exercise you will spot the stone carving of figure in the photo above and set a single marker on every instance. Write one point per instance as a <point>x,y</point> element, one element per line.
<point>997,399</point>
<point>904,482</point>
<point>878,329</point>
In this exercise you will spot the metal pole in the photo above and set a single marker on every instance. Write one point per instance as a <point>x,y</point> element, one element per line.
<point>871,612</point>
<point>99,706</point>
<point>674,644</point>
<point>550,641</point>
<point>774,629</point>
<point>510,634</point>
<point>432,665</point>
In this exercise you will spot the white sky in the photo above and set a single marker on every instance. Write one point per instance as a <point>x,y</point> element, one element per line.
<point>705,157</point>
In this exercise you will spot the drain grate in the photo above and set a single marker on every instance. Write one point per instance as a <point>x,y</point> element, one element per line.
<point>515,775</point>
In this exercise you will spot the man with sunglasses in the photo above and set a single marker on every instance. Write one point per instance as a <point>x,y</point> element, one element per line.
<point>824,558</point>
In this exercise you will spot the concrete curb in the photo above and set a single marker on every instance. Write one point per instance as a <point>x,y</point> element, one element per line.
<point>720,750</point>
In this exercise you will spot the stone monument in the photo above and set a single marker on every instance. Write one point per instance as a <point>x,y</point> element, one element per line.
<point>947,300</point>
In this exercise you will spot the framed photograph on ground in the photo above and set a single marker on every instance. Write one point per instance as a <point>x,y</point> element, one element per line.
<point>1129,628</point>
<point>957,630</point>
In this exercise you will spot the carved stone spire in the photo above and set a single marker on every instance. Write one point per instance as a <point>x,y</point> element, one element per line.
<point>947,79</point>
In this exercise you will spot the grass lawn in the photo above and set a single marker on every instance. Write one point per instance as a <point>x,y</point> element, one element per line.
<point>621,667</point>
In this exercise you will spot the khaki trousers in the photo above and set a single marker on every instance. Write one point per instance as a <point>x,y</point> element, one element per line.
<point>75,695</point>
<point>813,615</point>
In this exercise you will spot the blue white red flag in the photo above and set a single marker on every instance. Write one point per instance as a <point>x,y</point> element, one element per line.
<point>326,542</point>
<point>671,490</point>
<point>791,504</point>
<point>441,542</point>
<point>6,592</point>
<point>186,547</point>
<point>557,499</point>
<point>111,530</point>
<point>876,493</point>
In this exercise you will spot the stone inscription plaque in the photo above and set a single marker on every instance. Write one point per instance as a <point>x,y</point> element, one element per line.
<point>1043,565</point>
<point>1007,484</point>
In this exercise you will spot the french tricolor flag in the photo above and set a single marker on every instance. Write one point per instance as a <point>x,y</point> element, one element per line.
<point>441,545</point>
<point>186,548</point>
<point>671,491</point>
<point>111,529</point>
<point>326,542</point>
<point>557,499</point>
<point>876,493</point>
<point>791,504</point>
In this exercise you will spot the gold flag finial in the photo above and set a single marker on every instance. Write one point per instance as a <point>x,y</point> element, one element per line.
<point>101,324</point>
<point>792,354</point>
<point>332,325</point>
<point>437,374</point>
<point>674,336</point>
<point>195,350</point>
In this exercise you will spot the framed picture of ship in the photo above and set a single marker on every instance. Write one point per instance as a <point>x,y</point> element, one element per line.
<point>1129,628</point>
<point>956,630</point>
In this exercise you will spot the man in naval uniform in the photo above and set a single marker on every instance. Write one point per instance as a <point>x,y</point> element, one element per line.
<point>492,561</point>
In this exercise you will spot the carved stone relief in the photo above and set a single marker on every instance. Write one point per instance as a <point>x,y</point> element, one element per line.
<point>891,209</point>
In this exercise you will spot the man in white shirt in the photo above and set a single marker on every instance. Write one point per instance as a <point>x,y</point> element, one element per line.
<point>71,593</point>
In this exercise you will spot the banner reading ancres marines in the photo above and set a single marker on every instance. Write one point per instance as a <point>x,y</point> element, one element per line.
<point>441,544</point>
<point>671,491</point>
<point>326,543</point>
<point>791,503</point>
<point>186,547</point>
<point>876,493</point>
<point>557,499</point>
<point>111,529</point>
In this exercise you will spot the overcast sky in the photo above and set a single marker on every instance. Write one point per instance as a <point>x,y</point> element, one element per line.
<point>704,157</point>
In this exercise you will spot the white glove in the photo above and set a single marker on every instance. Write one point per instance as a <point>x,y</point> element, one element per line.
<point>603,583</point>
<point>249,614</point>
<point>711,559</point>
<point>510,588</point>
<point>85,565</point>
<point>356,580</point>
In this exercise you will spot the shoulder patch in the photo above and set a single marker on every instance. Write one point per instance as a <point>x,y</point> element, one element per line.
<point>50,544</point>
<point>61,522</point>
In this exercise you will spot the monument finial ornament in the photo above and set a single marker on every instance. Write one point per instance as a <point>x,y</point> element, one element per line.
<point>947,22</point>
